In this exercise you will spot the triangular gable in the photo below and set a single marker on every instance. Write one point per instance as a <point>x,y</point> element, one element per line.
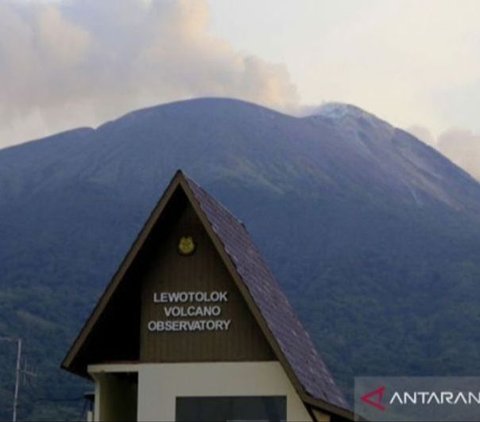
<point>274,315</point>
<point>175,283</point>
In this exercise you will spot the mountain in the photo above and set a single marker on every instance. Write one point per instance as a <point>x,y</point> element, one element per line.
<point>374,236</point>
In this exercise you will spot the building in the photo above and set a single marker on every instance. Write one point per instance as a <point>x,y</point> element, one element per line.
<point>193,326</point>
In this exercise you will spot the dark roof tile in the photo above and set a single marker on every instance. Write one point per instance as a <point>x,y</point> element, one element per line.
<point>282,321</point>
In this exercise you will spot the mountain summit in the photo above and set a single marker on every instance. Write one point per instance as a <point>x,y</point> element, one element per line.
<point>374,235</point>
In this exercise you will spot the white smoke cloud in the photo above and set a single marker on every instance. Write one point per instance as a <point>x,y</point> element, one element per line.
<point>422,133</point>
<point>81,62</point>
<point>461,146</point>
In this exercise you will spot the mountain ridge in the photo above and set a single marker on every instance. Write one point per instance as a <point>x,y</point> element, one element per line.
<point>373,235</point>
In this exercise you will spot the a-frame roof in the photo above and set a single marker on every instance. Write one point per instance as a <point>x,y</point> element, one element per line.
<point>275,316</point>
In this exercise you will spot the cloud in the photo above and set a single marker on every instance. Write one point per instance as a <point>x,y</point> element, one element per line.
<point>463,148</point>
<point>81,62</point>
<point>422,133</point>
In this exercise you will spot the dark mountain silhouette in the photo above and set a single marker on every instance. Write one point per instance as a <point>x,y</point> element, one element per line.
<point>374,236</point>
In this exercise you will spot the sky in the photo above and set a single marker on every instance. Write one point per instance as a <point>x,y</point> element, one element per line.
<point>71,63</point>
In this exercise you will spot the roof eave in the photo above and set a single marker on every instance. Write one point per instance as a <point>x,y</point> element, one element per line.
<point>116,279</point>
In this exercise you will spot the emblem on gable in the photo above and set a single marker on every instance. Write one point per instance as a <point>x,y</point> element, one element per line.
<point>186,245</point>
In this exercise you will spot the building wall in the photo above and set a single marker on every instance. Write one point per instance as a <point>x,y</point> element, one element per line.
<point>203,271</point>
<point>160,384</point>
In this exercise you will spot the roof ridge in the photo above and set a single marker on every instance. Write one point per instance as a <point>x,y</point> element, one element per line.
<point>191,182</point>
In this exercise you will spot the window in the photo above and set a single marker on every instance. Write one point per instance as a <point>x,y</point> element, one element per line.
<point>261,408</point>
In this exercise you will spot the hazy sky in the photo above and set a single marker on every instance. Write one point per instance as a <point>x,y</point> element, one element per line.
<point>76,63</point>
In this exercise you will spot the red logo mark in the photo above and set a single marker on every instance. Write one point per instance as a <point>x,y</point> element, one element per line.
<point>374,398</point>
